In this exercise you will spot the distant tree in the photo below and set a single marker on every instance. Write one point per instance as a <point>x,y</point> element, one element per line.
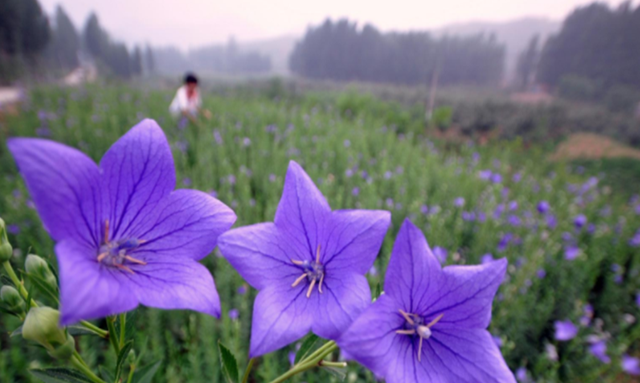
<point>66,42</point>
<point>136,62</point>
<point>34,28</point>
<point>96,40</point>
<point>341,51</point>
<point>150,60</point>
<point>597,44</point>
<point>527,62</point>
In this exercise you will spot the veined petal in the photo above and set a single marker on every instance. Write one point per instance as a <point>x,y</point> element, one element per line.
<point>371,339</point>
<point>169,283</point>
<point>302,212</point>
<point>465,295</point>
<point>65,186</point>
<point>281,315</point>
<point>138,172</point>
<point>353,240</point>
<point>342,299</point>
<point>259,255</point>
<point>89,290</point>
<point>464,355</point>
<point>414,273</point>
<point>185,224</point>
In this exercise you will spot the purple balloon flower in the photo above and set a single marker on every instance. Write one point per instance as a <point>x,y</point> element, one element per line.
<point>599,350</point>
<point>543,207</point>
<point>430,325</point>
<point>579,221</point>
<point>309,265</point>
<point>565,330</point>
<point>124,236</point>
<point>631,365</point>
<point>571,252</point>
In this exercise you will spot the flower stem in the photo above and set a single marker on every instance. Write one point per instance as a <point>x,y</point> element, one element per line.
<point>95,329</point>
<point>123,329</point>
<point>113,336</point>
<point>312,361</point>
<point>80,364</point>
<point>245,379</point>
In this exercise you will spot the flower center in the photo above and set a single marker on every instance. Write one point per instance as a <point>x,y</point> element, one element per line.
<point>312,271</point>
<point>415,325</point>
<point>116,253</point>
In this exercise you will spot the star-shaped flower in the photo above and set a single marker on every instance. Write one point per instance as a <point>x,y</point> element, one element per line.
<point>123,236</point>
<point>430,325</point>
<point>309,265</point>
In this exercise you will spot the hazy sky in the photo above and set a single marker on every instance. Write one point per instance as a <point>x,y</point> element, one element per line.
<point>190,23</point>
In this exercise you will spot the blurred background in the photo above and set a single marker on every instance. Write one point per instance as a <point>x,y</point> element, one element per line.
<point>502,128</point>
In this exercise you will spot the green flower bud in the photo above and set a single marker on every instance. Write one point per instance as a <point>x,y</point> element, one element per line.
<point>41,326</point>
<point>131,357</point>
<point>64,351</point>
<point>11,297</point>
<point>38,267</point>
<point>5,252</point>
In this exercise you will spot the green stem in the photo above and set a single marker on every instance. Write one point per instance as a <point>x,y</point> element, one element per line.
<point>80,364</point>
<point>310,362</point>
<point>25,294</point>
<point>132,369</point>
<point>245,379</point>
<point>113,336</point>
<point>123,329</point>
<point>325,363</point>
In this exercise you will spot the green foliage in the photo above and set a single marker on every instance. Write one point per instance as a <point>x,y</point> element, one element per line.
<point>60,375</point>
<point>305,349</point>
<point>573,87</point>
<point>442,117</point>
<point>229,364</point>
<point>403,171</point>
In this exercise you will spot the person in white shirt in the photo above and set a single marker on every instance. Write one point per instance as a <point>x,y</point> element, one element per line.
<point>187,101</point>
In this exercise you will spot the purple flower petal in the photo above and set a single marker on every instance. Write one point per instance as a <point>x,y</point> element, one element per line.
<point>599,350</point>
<point>630,365</point>
<point>138,172</point>
<point>65,186</point>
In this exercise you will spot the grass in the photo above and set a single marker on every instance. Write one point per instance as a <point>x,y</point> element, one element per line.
<point>367,154</point>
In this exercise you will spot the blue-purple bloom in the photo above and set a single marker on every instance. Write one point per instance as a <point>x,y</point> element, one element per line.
<point>458,202</point>
<point>571,252</point>
<point>430,325</point>
<point>309,265</point>
<point>234,314</point>
<point>440,253</point>
<point>123,236</point>
<point>599,350</point>
<point>543,207</point>
<point>630,365</point>
<point>565,330</point>
<point>579,221</point>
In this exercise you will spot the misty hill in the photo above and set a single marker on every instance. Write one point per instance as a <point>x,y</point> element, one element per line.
<point>515,34</point>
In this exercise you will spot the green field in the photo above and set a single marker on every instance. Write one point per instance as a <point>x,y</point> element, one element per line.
<point>364,154</point>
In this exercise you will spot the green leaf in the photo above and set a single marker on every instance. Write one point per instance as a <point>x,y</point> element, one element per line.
<point>129,327</point>
<point>122,357</point>
<point>44,287</point>
<point>106,374</point>
<point>59,375</point>
<point>306,347</point>
<point>146,373</point>
<point>229,363</point>
<point>378,291</point>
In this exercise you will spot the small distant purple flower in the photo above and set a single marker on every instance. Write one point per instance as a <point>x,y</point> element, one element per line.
<point>272,177</point>
<point>638,299</point>
<point>567,237</point>
<point>496,178</point>
<point>635,240</point>
<point>13,229</point>
<point>441,316</point>
<point>231,179</point>
<point>579,221</point>
<point>234,314</point>
<point>246,142</point>
<point>522,375</point>
<point>504,242</point>
<point>487,258</point>
<point>123,235</point>
<point>565,330</point>
<point>485,174</point>
<point>552,222</point>
<point>630,365</point>
<point>186,181</point>
<point>43,132</point>
<point>292,358</point>
<point>543,207</point>
<point>388,175</point>
<point>373,271</point>
<point>458,202</point>
<point>242,290</point>
<point>513,220</point>
<point>309,265</point>
<point>347,143</point>
<point>389,203</point>
<point>440,253</point>
<point>541,273</point>
<point>571,252</point>
<point>217,136</point>
<point>213,193</point>
<point>517,177</point>
<point>468,216</point>
<point>497,340</point>
<point>355,191</point>
<point>513,205</point>
<point>424,209</point>
<point>599,350</point>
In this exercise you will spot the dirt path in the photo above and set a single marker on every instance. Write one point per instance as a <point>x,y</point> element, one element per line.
<point>592,146</point>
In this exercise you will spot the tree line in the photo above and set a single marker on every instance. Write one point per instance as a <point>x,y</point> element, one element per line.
<point>342,51</point>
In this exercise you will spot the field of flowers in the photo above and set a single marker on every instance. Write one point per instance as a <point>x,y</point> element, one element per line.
<point>566,311</point>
